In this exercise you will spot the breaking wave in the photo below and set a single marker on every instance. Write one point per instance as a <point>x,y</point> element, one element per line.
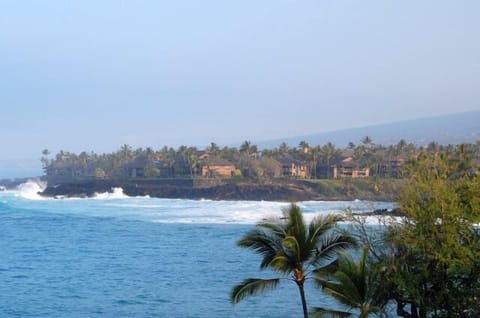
<point>30,190</point>
<point>117,204</point>
<point>117,193</point>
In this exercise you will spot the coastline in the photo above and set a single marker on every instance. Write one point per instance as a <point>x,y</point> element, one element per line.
<point>292,190</point>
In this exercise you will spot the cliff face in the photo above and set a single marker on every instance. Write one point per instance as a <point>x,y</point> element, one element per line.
<point>290,190</point>
<point>225,191</point>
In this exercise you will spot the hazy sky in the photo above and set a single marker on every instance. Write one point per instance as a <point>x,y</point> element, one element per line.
<point>93,75</point>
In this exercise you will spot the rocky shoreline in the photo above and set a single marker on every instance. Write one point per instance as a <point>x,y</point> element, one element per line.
<point>286,191</point>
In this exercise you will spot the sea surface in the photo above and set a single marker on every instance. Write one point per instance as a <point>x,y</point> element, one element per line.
<point>119,256</point>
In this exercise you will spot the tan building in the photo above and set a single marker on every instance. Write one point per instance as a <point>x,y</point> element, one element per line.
<point>292,167</point>
<point>214,166</point>
<point>350,169</point>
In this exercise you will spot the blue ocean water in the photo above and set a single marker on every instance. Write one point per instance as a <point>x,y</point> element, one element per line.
<point>116,256</point>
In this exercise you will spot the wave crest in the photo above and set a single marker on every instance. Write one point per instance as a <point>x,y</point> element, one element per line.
<point>31,189</point>
<point>117,193</point>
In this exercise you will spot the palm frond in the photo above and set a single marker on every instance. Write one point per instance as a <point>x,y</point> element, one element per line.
<point>320,225</point>
<point>298,229</point>
<point>250,287</point>
<point>344,290</point>
<point>281,263</point>
<point>319,312</point>
<point>346,284</point>
<point>293,248</point>
<point>277,228</point>
<point>262,243</point>
<point>330,245</point>
<point>326,271</point>
<point>296,225</point>
<point>351,283</point>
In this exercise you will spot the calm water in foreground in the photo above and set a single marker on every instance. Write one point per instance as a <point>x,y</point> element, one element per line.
<point>115,256</point>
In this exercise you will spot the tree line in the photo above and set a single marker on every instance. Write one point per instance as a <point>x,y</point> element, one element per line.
<point>426,264</point>
<point>249,160</point>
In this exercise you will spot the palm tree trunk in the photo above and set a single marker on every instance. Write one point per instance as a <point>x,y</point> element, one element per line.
<point>363,313</point>
<point>304,301</point>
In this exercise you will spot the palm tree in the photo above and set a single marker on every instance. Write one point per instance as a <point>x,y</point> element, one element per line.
<point>46,163</point>
<point>355,284</point>
<point>401,146</point>
<point>367,141</point>
<point>316,151</point>
<point>304,147</point>
<point>292,249</point>
<point>150,153</point>
<point>83,160</point>
<point>284,148</point>
<point>213,149</point>
<point>192,159</point>
<point>44,159</point>
<point>247,148</point>
<point>126,153</point>
<point>329,152</point>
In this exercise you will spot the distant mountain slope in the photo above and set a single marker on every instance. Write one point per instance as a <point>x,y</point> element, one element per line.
<point>447,129</point>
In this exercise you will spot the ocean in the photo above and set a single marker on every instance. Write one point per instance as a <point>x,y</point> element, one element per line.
<point>119,256</point>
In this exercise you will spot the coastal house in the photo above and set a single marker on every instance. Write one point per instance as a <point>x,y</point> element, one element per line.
<point>136,168</point>
<point>63,171</point>
<point>212,165</point>
<point>393,167</point>
<point>292,167</point>
<point>349,168</point>
<point>386,163</point>
<point>144,167</point>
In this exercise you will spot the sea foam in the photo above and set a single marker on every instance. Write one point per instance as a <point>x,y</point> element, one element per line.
<point>30,190</point>
<point>117,193</point>
<point>119,205</point>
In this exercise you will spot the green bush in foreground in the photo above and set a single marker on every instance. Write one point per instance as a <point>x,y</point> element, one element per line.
<point>431,260</point>
<point>427,265</point>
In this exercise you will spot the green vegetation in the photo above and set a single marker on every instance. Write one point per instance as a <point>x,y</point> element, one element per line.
<point>364,188</point>
<point>430,262</point>
<point>367,171</point>
<point>354,284</point>
<point>426,265</point>
<point>292,249</point>
<point>436,269</point>
<point>320,162</point>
